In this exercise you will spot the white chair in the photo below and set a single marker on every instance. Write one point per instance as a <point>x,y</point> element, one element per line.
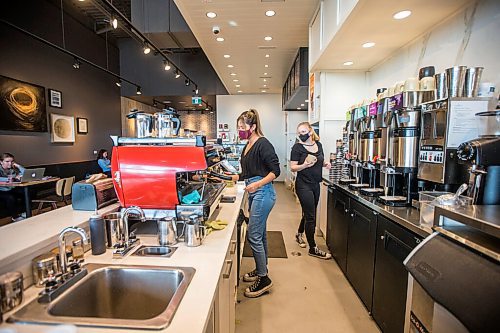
<point>59,193</point>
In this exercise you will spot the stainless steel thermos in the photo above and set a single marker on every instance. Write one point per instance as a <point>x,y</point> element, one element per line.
<point>97,234</point>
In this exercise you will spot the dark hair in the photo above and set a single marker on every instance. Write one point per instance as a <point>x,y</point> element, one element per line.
<point>6,155</point>
<point>101,154</point>
<point>251,117</point>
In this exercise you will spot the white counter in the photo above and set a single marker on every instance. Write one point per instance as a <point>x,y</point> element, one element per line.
<point>208,259</point>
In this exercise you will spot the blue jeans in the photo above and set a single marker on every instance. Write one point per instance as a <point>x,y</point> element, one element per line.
<point>260,204</point>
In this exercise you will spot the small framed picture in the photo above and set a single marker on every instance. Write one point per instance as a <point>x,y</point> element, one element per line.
<point>55,98</point>
<point>63,128</point>
<point>82,125</point>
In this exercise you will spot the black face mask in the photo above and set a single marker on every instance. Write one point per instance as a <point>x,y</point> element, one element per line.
<point>304,137</point>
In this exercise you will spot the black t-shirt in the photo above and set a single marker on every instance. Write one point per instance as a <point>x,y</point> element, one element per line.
<point>259,160</point>
<point>311,174</point>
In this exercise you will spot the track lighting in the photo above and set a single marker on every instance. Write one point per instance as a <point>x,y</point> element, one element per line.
<point>167,65</point>
<point>76,63</point>
<point>177,75</point>
<point>118,83</point>
<point>195,90</point>
<point>114,22</point>
<point>138,91</point>
<point>187,82</point>
<point>146,48</point>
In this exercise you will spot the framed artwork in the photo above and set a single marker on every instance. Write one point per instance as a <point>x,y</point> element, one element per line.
<point>22,106</point>
<point>63,128</point>
<point>55,98</point>
<point>82,125</point>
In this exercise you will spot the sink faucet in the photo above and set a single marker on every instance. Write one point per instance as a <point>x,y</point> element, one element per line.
<point>62,244</point>
<point>126,213</point>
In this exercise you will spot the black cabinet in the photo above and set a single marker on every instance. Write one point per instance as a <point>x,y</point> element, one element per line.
<point>394,243</point>
<point>337,226</point>
<point>361,251</point>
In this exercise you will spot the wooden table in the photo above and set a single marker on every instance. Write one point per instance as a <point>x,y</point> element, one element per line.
<point>25,186</point>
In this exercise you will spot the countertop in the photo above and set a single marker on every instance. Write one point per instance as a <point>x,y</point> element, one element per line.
<point>407,217</point>
<point>208,259</point>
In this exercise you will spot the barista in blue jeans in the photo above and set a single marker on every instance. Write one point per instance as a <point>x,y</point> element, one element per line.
<point>259,166</point>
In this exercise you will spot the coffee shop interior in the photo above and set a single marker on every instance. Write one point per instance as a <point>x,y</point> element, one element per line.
<point>120,205</point>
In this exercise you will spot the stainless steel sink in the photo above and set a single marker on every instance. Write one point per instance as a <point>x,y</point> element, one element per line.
<point>118,296</point>
<point>154,251</point>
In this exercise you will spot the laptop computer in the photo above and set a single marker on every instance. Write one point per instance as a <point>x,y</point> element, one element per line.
<point>32,174</point>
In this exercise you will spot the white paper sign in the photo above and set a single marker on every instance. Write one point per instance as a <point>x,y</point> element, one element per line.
<point>463,122</point>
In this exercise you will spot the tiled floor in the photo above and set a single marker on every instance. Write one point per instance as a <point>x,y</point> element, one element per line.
<point>309,294</point>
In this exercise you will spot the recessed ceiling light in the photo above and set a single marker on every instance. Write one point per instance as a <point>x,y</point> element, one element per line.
<point>368,44</point>
<point>167,102</point>
<point>265,85</point>
<point>307,101</point>
<point>263,91</point>
<point>270,13</point>
<point>264,80</point>
<point>302,104</point>
<point>220,39</point>
<point>240,91</point>
<point>266,66</point>
<point>267,55</point>
<point>265,73</point>
<point>348,63</point>
<point>402,14</point>
<point>233,74</point>
<point>211,15</point>
<point>233,23</point>
<point>230,66</point>
<point>268,38</point>
<point>236,80</point>
<point>299,109</point>
<point>227,56</point>
<point>238,85</point>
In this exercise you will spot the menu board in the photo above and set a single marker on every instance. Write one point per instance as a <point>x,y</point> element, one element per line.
<point>463,122</point>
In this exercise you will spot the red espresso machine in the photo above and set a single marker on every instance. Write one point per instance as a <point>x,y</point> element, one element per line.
<point>155,174</point>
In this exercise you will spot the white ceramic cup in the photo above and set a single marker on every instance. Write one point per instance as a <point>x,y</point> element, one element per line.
<point>427,83</point>
<point>411,84</point>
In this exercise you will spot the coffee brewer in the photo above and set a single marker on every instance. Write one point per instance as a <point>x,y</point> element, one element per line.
<point>447,123</point>
<point>483,156</point>
<point>403,119</point>
<point>350,157</point>
<point>370,152</point>
<point>356,161</point>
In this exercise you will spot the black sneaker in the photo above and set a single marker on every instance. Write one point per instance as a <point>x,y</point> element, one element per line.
<point>300,240</point>
<point>262,285</point>
<point>250,276</point>
<point>315,252</point>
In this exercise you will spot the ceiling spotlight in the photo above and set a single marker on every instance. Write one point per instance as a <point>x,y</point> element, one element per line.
<point>268,38</point>
<point>196,90</point>
<point>267,55</point>
<point>146,48</point>
<point>211,15</point>
<point>348,63</point>
<point>177,75</point>
<point>220,39</point>
<point>118,83</point>
<point>266,66</point>
<point>227,56</point>
<point>402,14</point>
<point>233,74</point>
<point>138,91</point>
<point>298,108</point>
<point>238,85</point>
<point>167,65</point>
<point>263,91</point>
<point>302,104</point>
<point>236,80</point>
<point>270,13</point>
<point>114,22</point>
<point>368,44</point>
<point>265,73</point>
<point>265,85</point>
<point>240,91</point>
<point>187,82</point>
<point>76,63</point>
<point>306,100</point>
<point>265,80</point>
<point>230,66</point>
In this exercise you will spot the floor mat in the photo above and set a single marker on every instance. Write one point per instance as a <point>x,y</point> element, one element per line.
<point>275,246</point>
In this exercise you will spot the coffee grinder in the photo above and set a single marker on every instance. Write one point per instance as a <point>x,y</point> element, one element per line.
<point>401,168</point>
<point>483,156</point>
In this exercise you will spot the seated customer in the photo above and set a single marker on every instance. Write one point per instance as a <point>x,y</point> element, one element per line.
<point>10,171</point>
<point>104,162</point>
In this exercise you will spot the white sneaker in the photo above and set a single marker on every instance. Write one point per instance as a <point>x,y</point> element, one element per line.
<point>17,219</point>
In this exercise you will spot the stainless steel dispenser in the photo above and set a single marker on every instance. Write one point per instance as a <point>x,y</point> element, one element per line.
<point>446,123</point>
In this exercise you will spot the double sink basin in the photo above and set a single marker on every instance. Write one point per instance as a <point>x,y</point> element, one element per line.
<point>117,296</point>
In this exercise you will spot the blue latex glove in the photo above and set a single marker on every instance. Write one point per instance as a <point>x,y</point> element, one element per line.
<point>191,198</point>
